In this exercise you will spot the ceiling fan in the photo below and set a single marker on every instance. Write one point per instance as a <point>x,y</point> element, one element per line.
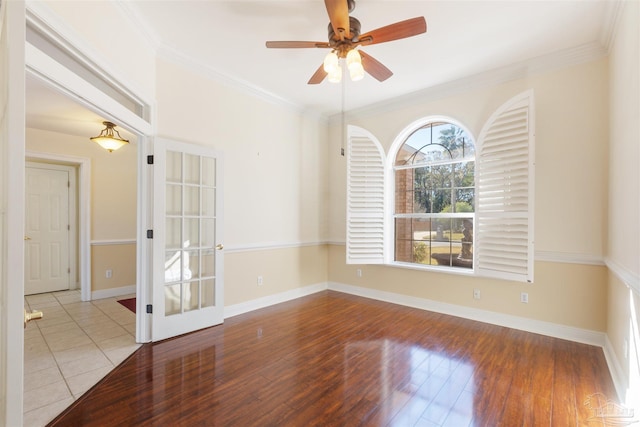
<point>345,37</point>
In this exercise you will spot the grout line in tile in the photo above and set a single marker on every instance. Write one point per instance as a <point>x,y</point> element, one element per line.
<point>67,298</point>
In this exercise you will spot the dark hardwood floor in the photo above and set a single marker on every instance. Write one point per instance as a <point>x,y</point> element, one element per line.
<point>332,359</point>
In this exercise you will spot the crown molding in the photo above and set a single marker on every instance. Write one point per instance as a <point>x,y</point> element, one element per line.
<point>541,64</point>
<point>610,23</point>
<point>172,55</point>
<point>131,13</point>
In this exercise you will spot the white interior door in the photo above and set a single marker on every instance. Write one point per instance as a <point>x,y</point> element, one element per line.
<point>47,229</point>
<point>12,130</point>
<point>187,239</point>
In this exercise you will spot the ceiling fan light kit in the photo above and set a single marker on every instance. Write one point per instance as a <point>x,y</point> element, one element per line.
<point>344,38</point>
<point>354,64</point>
<point>335,76</point>
<point>330,62</point>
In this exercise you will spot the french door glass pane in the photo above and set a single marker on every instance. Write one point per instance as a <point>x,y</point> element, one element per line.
<point>191,232</point>
<point>174,166</point>
<point>208,232</point>
<point>191,200</point>
<point>191,169</point>
<point>191,296</point>
<point>173,233</point>
<point>208,201</point>
<point>208,172</point>
<point>174,199</point>
<point>191,265</point>
<point>172,299</point>
<point>208,292</point>
<point>208,263</point>
<point>172,266</point>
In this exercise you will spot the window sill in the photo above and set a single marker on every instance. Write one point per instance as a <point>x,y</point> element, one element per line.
<point>433,268</point>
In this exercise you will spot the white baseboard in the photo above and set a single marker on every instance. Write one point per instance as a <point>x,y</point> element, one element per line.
<point>245,307</point>
<point>113,292</point>
<point>529,325</point>
<point>617,373</point>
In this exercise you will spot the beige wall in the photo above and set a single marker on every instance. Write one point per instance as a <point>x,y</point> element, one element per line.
<point>282,270</point>
<point>565,294</point>
<point>571,151</point>
<point>570,200</point>
<point>623,251</point>
<point>120,259</point>
<point>274,156</point>
<point>275,179</point>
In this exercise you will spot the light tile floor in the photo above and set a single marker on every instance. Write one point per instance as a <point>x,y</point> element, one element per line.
<point>70,349</point>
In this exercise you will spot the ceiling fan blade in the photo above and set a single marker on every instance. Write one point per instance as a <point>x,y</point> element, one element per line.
<point>296,44</point>
<point>338,11</point>
<point>399,30</point>
<point>318,76</point>
<point>374,67</point>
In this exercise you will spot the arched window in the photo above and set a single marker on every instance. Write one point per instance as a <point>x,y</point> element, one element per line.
<point>435,196</point>
<point>441,198</point>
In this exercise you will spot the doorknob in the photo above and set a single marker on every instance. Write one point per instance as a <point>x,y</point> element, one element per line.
<point>27,238</point>
<point>35,314</point>
<point>220,247</point>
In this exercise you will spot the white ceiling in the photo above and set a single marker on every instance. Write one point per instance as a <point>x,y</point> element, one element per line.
<point>463,39</point>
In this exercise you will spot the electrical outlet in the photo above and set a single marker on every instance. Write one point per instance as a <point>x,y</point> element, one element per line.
<point>259,280</point>
<point>524,298</point>
<point>108,273</point>
<point>359,272</point>
<point>476,294</point>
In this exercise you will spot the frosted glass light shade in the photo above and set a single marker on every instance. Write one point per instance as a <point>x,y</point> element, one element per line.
<point>109,144</point>
<point>353,57</point>
<point>109,138</point>
<point>335,76</point>
<point>354,63</point>
<point>356,72</point>
<point>331,62</point>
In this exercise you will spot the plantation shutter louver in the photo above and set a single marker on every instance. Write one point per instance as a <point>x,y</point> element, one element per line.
<point>365,199</point>
<point>505,189</point>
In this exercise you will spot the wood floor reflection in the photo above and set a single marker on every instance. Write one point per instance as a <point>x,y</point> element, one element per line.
<point>332,359</point>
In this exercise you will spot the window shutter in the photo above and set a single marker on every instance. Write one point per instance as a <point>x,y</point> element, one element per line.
<point>505,189</point>
<point>365,198</point>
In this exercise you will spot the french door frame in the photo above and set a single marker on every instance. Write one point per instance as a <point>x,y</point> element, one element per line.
<point>44,68</point>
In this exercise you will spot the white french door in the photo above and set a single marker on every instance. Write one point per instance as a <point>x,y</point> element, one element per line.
<point>187,239</point>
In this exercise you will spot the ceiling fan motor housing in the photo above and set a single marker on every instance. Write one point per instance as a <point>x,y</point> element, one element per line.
<point>340,45</point>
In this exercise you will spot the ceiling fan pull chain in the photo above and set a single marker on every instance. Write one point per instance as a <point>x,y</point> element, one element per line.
<point>344,130</point>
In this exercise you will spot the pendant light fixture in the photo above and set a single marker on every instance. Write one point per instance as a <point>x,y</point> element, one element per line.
<point>108,139</point>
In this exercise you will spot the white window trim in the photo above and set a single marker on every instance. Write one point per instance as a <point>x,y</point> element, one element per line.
<point>390,191</point>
